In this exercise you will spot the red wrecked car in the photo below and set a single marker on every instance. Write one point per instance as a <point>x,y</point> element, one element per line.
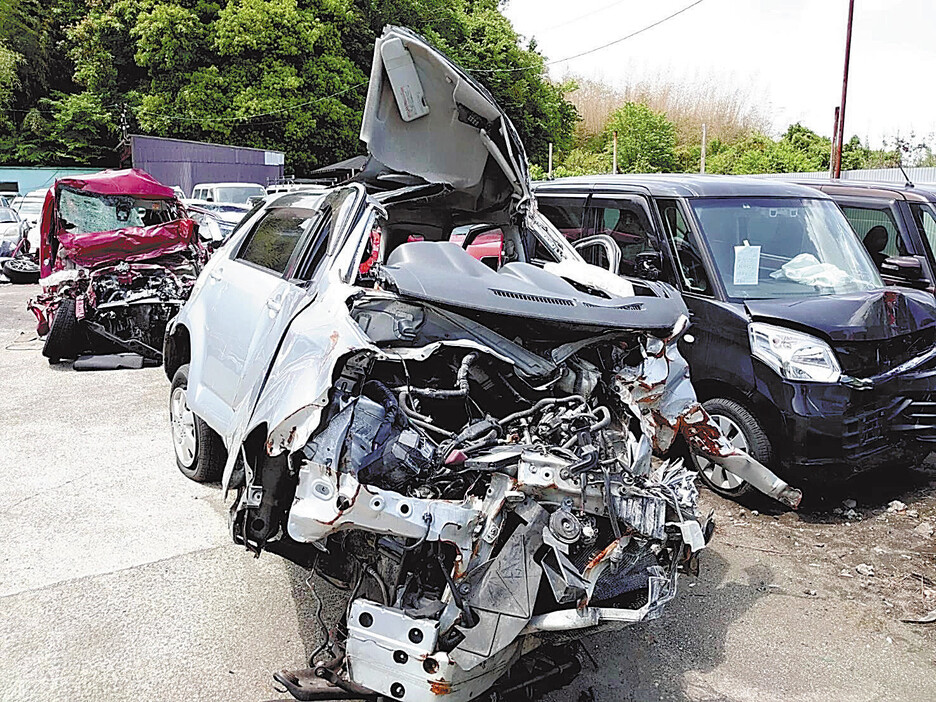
<point>118,256</point>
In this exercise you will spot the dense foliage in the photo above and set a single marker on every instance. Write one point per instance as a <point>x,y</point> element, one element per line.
<point>284,74</point>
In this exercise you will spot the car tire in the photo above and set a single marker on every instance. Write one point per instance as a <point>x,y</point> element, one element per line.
<point>744,431</point>
<point>64,337</point>
<point>21,271</point>
<point>199,450</point>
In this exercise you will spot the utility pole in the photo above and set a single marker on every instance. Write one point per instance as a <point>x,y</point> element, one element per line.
<point>702,168</point>
<point>837,173</point>
<point>835,126</point>
<point>614,158</point>
<point>549,171</point>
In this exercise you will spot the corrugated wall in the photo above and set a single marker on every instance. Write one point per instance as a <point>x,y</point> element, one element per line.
<point>187,163</point>
<point>879,175</point>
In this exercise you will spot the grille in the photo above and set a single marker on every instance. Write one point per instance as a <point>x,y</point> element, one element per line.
<point>863,358</point>
<point>534,298</point>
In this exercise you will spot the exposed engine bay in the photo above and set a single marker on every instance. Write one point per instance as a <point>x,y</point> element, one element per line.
<point>122,306</point>
<point>478,497</point>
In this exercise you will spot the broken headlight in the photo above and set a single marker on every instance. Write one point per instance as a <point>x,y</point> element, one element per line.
<point>794,355</point>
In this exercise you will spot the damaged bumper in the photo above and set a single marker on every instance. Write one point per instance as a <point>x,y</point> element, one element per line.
<point>856,425</point>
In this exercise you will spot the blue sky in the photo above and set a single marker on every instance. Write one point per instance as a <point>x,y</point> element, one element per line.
<point>789,52</point>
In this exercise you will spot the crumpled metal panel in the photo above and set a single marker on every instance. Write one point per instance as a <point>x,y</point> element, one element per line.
<point>660,394</point>
<point>503,593</point>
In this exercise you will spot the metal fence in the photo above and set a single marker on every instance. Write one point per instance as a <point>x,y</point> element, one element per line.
<point>878,175</point>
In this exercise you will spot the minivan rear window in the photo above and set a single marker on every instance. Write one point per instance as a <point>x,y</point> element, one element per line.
<point>783,247</point>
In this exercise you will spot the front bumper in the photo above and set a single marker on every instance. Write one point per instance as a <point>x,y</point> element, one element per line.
<point>846,428</point>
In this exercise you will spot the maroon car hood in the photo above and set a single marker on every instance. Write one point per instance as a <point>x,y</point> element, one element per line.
<point>128,244</point>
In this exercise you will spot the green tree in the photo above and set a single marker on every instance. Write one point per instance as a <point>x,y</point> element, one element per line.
<point>646,140</point>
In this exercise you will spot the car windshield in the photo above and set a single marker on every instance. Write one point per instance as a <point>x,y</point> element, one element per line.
<point>82,213</point>
<point>8,216</point>
<point>783,247</point>
<point>238,193</point>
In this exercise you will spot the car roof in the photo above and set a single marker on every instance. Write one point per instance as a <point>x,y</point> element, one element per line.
<point>921,192</point>
<point>682,185</point>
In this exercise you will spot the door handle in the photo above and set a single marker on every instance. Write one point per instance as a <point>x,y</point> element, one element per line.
<point>274,304</point>
<point>215,274</point>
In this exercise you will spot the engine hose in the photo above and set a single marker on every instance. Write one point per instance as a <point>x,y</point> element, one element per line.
<point>545,402</point>
<point>609,503</point>
<point>382,394</point>
<point>461,382</point>
<point>602,423</point>
<point>420,420</point>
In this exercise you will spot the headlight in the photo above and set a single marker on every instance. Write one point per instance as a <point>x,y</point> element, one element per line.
<point>795,356</point>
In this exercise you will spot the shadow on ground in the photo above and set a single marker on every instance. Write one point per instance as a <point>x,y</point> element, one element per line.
<point>650,661</point>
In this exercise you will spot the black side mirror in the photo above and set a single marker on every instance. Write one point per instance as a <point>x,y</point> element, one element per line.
<point>648,265</point>
<point>904,270</point>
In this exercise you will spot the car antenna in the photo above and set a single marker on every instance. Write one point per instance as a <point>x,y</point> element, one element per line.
<point>909,183</point>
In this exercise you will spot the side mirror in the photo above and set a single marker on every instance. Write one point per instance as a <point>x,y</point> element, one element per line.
<point>904,270</point>
<point>600,250</point>
<point>649,265</point>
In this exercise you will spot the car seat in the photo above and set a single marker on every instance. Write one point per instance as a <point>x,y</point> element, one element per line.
<point>875,241</point>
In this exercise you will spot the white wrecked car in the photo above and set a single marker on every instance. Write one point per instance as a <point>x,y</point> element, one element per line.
<point>466,450</point>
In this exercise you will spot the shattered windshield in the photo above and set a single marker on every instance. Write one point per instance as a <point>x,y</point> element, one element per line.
<point>82,213</point>
<point>783,247</point>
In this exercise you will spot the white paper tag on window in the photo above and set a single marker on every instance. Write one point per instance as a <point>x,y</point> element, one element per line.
<point>746,265</point>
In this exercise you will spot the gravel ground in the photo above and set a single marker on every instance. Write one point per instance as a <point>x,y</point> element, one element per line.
<point>118,579</point>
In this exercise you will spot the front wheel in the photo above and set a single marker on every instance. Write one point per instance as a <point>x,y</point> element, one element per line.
<point>744,432</point>
<point>199,451</point>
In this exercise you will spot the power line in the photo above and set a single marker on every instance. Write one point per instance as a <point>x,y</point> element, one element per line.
<point>593,50</point>
<point>567,22</point>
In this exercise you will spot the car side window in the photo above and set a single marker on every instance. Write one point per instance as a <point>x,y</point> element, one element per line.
<point>334,210</point>
<point>692,275</point>
<point>877,229</point>
<point>925,217</point>
<point>565,213</point>
<point>274,239</point>
<point>626,221</point>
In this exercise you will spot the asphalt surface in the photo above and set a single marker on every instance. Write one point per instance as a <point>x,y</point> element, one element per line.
<point>118,579</point>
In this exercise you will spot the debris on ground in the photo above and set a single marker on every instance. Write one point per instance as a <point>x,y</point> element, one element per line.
<point>896,506</point>
<point>865,569</point>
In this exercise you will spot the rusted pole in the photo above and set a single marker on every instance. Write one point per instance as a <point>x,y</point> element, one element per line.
<point>841,120</point>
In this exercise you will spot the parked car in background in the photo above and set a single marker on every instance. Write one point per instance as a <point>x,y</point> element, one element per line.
<point>16,263</point>
<point>29,207</point>
<point>13,229</point>
<point>118,259</point>
<point>216,220</point>
<point>895,222</point>
<point>232,193</point>
<point>799,352</point>
<point>399,415</point>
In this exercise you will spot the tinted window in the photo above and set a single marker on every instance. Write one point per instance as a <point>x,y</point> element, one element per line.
<point>273,240</point>
<point>871,224</point>
<point>564,213</point>
<point>925,217</point>
<point>336,209</point>
<point>692,275</point>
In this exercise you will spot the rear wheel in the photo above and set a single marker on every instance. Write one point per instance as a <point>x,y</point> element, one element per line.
<point>21,270</point>
<point>744,432</point>
<point>199,451</point>
<point>64,337</point>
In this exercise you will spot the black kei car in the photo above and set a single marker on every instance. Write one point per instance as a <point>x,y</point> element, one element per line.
<point>799,351</point>
<point>897,224</point>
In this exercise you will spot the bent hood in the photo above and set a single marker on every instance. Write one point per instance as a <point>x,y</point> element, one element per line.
<point>866,316</point>
<point>426,117</point>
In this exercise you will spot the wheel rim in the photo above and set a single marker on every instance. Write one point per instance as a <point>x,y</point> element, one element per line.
<point>714,473</point>
<point>183,428</point>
